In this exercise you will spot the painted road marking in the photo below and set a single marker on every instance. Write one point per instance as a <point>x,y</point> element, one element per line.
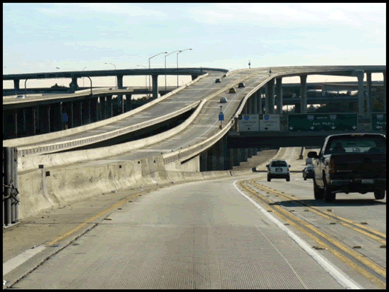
<point>21,258</point>
<point>338,275</point>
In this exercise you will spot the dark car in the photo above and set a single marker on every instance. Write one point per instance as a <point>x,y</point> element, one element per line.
<point>241,85</point>
<point>217,80</point>
<point>308,172</point>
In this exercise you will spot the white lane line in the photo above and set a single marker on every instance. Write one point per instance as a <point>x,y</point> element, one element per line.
<point>20,259</point>
<point>336,273</point>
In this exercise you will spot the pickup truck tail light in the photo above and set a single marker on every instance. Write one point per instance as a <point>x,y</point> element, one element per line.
<point>331,166</point>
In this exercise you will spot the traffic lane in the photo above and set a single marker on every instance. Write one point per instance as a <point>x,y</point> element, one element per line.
<point>353,206</point>
<point>192,236</point>
<point>203,127</point>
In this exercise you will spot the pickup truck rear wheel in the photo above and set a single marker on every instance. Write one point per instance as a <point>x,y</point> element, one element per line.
<point>268,178</point>
<point>328,194</point>
<point>379,194</point>
<point>317,191</point>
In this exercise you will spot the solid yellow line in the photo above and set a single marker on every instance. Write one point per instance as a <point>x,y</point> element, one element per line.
<point>332,215</point>
<point>116,205</point>
<point>378,269</point>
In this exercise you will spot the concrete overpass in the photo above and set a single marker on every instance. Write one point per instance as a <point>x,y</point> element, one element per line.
<point>197,144</point>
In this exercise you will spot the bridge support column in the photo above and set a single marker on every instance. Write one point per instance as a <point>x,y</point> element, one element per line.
<point>77,111</point>
<point>361,94</point>
<point>384,92</point>
<point>30,121</point>
<point>249,153</point>
<point>194,77</point>
<point>120,104</point>
<point>85,112</point>
<point>235,157</point>
<point>231,159</point>
<point>119,79</point>
<point>44,119</point>
<point>155,86</point>
<point>109,107</point>
<point>16,84</point>
<point>21,121</point>
<point>9,124</point>
<point>203,161</point>
<point>255,103</point>
<point>103,110</point>
<point>56,117</point>
<point>73,85</point>
<point>303,94</point>
<point>279,95</point>
<point>269,101</point>
<point>368,96</point>
<point>94,117</point>
<point>128,102</point>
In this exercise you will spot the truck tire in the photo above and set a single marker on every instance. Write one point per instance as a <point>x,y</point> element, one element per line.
<point>268,178</point>
<point>288,178</point>
<point>379,194</point>
<point>317,191</point>
<point>328,194</point>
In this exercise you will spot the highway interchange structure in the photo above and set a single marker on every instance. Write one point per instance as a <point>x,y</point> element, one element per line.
<point>197,144</point>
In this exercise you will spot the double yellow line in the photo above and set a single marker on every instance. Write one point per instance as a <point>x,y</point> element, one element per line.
<point>302,226</point>
<point>369,232</point>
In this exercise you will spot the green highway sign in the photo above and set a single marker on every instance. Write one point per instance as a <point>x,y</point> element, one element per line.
<point>322,122</point>
<point>378,122</point>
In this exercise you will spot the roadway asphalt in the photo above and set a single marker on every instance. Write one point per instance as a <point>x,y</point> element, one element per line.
<point>195,236</point>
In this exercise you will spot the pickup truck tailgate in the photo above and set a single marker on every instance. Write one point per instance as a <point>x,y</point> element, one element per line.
<point>366,165</point>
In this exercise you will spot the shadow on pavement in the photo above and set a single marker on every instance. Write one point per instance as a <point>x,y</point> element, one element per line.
<point>338,202</point>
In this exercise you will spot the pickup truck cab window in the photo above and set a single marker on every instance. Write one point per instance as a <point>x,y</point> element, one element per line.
<point>356,144</point>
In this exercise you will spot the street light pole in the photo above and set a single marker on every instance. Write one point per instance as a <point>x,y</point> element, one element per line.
<point>177,61</point>
<point>165,66</point>
<point>149,66</point>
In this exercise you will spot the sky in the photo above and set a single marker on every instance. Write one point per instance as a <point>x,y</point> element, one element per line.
<point>39,37</point>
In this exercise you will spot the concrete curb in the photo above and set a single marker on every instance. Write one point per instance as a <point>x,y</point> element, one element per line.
<point>49,136</point>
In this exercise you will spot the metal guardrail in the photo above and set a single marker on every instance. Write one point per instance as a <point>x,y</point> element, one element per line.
<point>10,186</point>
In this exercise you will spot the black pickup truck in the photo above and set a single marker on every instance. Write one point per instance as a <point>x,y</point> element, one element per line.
<point>350,163</point>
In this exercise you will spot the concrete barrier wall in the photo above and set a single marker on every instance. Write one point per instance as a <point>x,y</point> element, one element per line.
<point>44,189</point>
<point>59,134</point>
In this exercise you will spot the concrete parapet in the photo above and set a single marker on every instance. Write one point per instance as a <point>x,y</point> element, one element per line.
<point>54,135</point>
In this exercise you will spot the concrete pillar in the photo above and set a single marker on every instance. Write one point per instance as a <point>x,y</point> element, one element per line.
<point>279,95</point>
<point>9,124</point>
<point>119,79</point>
<point>255,102</point>
<point>128,102</point>
<point>86,112</point>
<point>109,107</point>
<point>22,122</point>
<point>155,86</point>
<point>303,94</point>
<point>231,158</point>
<point>249,153</point>
<point>73,85</point>
<point>30,114</point>
<point>44,119</point>
<point>269,101</point>
<point>368,96</point>
<point>94,114</point>
<point>120,104</point>
<point>16,84</point>
<point>15,119</point>
<point>224,153</point>
<point>203,161</point>
<point>236,157</point>
<point>361,95</point>
<point>77,112</point>
<point>56,117</point>
<point>194,77</point>
<point>103,109</point>
<point>384,92</point>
